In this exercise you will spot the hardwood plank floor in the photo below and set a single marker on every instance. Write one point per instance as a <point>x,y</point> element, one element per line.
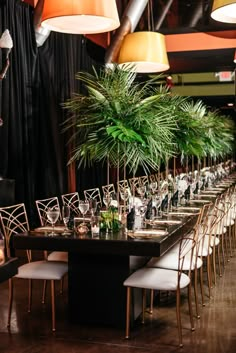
<point>215,330</point>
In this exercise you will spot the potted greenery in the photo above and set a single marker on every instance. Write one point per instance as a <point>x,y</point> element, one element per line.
<point>120,119</point>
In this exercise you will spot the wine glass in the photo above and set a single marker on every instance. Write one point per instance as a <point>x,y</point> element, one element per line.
<point>141,191</point>
<point>141,212</point>
<point>66,215</point>
<point>124,194</point>
<point>92,206</point>
<point>52,216</point>
<point>107,200</point>
<point>153,187</point>
<point>83,207</point>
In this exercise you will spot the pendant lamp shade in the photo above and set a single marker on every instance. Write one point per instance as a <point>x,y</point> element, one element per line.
<point>145,51</point>
<point>80,17</point>
<point>224,11</point>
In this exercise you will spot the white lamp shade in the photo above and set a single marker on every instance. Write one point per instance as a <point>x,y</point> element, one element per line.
<point>224,11</point>
<point>80,17</point>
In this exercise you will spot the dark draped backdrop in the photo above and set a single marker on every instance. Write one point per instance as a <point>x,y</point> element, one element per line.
<point>33,149</point>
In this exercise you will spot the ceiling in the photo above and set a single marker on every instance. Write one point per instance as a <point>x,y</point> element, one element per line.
<point>198,48</point>
<point>195,44</point>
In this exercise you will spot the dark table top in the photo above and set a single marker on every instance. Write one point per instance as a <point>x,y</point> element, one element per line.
<point>116,243</point>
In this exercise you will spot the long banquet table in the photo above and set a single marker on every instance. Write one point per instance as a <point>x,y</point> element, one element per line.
<point>97,267</point>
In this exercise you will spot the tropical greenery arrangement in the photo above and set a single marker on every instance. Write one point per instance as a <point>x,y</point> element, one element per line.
<point>140,124</point>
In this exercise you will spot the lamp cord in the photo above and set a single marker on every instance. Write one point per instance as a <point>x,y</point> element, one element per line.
<point>150,17</point>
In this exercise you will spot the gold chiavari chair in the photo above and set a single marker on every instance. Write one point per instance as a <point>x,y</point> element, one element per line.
<point>72,200</point>
<point>143,180</point>
<point>14,220</point>
<point>93,194</point>
<point>134,185</point>
<point>156,279</point>
<point>109,189</point>
<point>42,207</point>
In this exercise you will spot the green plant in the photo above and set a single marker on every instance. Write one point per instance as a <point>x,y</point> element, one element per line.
<point>121,119</point>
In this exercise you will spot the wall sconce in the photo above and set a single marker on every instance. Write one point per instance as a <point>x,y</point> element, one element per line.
<point>80,17</point>
<point>224,11</point>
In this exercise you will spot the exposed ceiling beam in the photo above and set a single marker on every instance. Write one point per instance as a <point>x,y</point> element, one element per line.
<point>200,41</point>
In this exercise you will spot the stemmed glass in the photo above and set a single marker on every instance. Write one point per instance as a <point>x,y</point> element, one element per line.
<point>141,191</point>
<point>107,200</point>
<point>66,215</point>
<point>52,216</point>
<point>92,206</point>
<point>83,207</point>
<point>153,187</point>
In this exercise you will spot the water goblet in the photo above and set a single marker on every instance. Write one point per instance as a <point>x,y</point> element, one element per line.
<point>124,195</point>
<point>83,207</point>
<point>65,216</point>
<point>107,200</point>
<point>141,191</point>
<point>52,216</point>
<point>92,206</point>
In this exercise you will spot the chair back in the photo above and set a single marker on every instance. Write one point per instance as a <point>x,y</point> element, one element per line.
<point>72,200</point>
<point>187,248</point>
<point>123,188</point>
<point>93,194</point>
<point>109,189</point>
<point>134,184</point>
<point>143,180</point>
<point>42,207</point>
<point>13,220</point>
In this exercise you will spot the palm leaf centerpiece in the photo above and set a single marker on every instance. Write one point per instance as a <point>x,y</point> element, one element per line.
<point>120,119</point>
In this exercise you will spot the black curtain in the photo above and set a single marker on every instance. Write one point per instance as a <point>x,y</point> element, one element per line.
<point>32,146</point>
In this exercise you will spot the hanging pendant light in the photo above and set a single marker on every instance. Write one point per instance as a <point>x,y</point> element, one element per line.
<point>224,11</point>
<point>145,51</point>
<point>80,17</point>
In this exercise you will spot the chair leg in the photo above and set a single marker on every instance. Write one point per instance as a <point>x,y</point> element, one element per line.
<point>10,299</point>
<point>196,293</point>
<point>143,304</point>
<point>201,286</point>
<point>151,301</point>
<point>208,264</point>
<point>53,305</point>
<point>127,333</point>
<point>44,291</point>
<point>29,295</point>
<point>61,286</point>
<point>190,307</point>
<point>178,317</point>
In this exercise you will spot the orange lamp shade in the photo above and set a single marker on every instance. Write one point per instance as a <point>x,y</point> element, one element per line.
<point>224,11</point>
<point>145,51</point>
<point>80,17</point>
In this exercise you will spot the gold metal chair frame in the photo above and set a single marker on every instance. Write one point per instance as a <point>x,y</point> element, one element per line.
<point>13,219</point>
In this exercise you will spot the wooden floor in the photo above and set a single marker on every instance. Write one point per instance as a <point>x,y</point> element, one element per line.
<point>31,333</point>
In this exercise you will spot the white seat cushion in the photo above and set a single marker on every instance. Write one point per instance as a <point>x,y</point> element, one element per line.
<point>170,261</point>
<point>58,256</point>
<point>46,270</point>
<point>157,279</point>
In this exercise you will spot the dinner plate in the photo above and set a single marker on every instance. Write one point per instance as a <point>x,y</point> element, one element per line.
<point>147,233</point>
<point>165,221</point>
<point>179,213</point>
<point>57,229</point>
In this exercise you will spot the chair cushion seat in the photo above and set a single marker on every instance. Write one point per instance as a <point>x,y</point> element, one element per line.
<point>58,256</point>
<point>170,261</point>
<point>45,270</point>
<point>157,279</point>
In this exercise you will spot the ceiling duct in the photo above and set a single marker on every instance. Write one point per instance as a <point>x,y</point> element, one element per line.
<point>163,15</point>
<point>41,34</point>
<point>128,24</point>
